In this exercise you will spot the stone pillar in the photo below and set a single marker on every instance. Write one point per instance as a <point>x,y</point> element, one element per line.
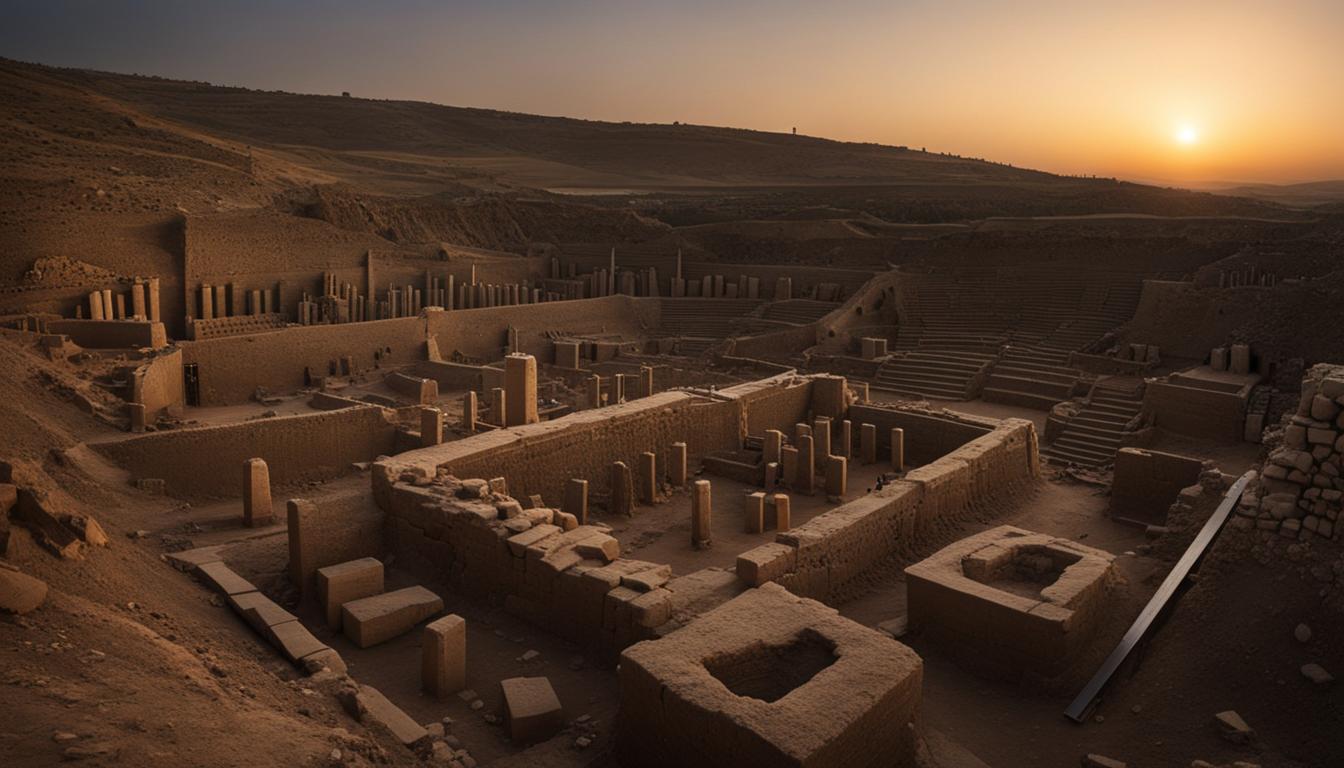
<point>119,304</point>
<point>96,305</point>
<point>774,440</point>
<point>257,493</point>
<point>153,299</point>
<point>576,499</point>
<point>221,307</point>
<point>807,465</point>
<point>567,354</point>
<point>788,464</point>
<point>595,391</point>
<point>431,427</point>
<point>137,414</point>
<point>107,304</point>
<point>207,303</point>
<point>618,388</point>
<point>622,490</point>
<point>837,477</point>
<point>645,381</point>
<point>1239,358</point>
<point>254,302</point>
<point>860,391</point>
<point>783,289</point>
<point>497,403</point>
<point>821,438</point>
<point>469,412</point>
<point>898,449</point>
<point>648,477</point>
<point>138,300</point>
<point>771,475</point>
<point>520,379</point>
<point>828,396</point>
<point>799,430</point>
<point>302,516</point>
<point>443,656</point>
<point>676,466</point>
<point>868,443</point>
<point>754,512</point>
<point>846,447</point>
<point>782,513</point>
<point>700,515</point>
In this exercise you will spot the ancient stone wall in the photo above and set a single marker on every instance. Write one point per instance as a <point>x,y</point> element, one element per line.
<point>1195,411</point>
<point>775,344</point>
<point>158,384</point>
<point>1147,482</point>
<point>209,461</point>
<point>928,435</point>
<point>820,558</point>
<point>111,334</point>
<point>483,333</point>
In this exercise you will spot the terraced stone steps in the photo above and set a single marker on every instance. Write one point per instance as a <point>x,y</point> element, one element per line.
<point>1092,437</point>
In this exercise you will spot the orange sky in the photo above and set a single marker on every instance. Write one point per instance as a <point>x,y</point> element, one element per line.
<point>1072,87</point>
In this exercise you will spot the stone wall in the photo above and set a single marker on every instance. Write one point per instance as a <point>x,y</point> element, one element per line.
<point>158,384</point>
<point>1195,411</point>
<point>111,334</point>
<point>821,558</point>
<point>928,435</point>
<point>482,334</point>
<point>1147,482</point>
<point>1300,491</point>
<point>208,462</point>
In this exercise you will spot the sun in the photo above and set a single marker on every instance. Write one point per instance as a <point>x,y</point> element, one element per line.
<point>1187,134</point>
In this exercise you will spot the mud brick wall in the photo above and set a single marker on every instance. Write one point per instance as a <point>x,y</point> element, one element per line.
<point>1195,412</point>
<point>442,537</point>
<point>541,458</point>
<point>928,436</point>
<point>111,334</point>
<point>1147,482</point>
<point>232,368</point>
<point>775,344</point>
<point>343,528</point>
<point>777,403</point>
<point>483,333</point>
<point>820,558</point>
<point>158,384</point>
<point>208,462</point>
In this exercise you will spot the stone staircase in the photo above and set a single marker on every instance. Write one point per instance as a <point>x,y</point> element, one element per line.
<point>1092,437</point>
<point>798,311</point>
<point>938,373</point>
<point>1032,376</point>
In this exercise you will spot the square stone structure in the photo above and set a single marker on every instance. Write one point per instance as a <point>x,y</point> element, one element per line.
<point>533,712</point>
<point>1009,602</point>
<point>769,679</point>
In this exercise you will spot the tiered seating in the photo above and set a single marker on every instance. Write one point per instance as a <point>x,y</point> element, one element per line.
<point>705,318</point>
<point>798,311</point>
<point>1092,437</point>
<point>1025,318</point>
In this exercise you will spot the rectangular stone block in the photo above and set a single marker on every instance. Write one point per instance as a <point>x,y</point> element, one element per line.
<point>377,619</point>
<point>257,494</point>
<point>753,512</point>
<point>576,499</point>
<point>700,514</point>
<point>676,466</point>
<point>531,709</point>
<point>340,584</point>
<point>444,656</point>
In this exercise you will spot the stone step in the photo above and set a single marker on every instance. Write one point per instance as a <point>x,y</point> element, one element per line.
<point>1015,397</point>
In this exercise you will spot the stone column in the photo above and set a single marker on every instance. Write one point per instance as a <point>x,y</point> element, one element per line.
<point>520,379</point>
<point>431,427</point>
<point>153,299</point>
<point>576,499</point>
<point>799,430</point>
<point>107,304</point>
<point>868,443</point>
<point>96,305</point>
<point>754,512</point>
<point>774,440</point>
<point>138,300</point>
<point>700,515</point>
<point>443,656</point>
<point>846,447</point>
<point>837,477</point>
<point>622,490</point>
<point>256,493</point>
<point>771,475</point>
<point>618,388</point>
<point>807,466</point>
<point>648,477</point>
<point>207,303</point>
<point>469,412</point>
<point>221,307</point>
<point>137,414</point>
<point>303,542</point>
<point>498,400</point>
<point>781,513</point>
<point>821,438</point>
<point>567,354</point>
<point>595,391</point>
<point>898,449</point>
<point>645,381</point>
<point>788,465</point>
<point>676,466</point>
<point>860,391</point>
<point>119,303</point>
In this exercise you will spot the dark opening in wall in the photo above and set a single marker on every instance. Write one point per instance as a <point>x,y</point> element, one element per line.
<point>770,672</point>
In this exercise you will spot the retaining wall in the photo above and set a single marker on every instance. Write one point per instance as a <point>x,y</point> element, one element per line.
<point>158,385</point>
<point>209,461</point>
<point>1147,482</point>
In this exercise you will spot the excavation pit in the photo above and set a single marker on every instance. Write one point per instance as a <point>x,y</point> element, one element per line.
<point>771,672</point>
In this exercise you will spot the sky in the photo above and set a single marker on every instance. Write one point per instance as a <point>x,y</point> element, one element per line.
<point>1177,92</point>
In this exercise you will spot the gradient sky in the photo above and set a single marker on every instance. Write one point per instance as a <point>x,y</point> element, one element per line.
<point>1093,87</point>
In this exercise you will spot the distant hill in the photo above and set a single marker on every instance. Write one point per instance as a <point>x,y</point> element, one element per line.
<point>1306,194</point>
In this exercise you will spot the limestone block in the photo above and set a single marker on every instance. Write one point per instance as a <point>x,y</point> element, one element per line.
<point>342,583</point>
<point>257,493</point>
<point>789,465</point>
<point>19,592</point>
<point>1239,360</point>
<point>648,477</point>
<point>676,466</point>
<point>700,514</point>
<point>782,522</point>
<point>898,449</point>
<point>774,441</point>
<point>837,477</point>
<point>576,499</point>
<point>222,579</point>
<point>868,443</point>
<point>1218,359</point>
<point>444,656</point>
<point>520,382</point>
<point>767,562</point>
<point>753,512</point>
<point>845,440</point>
<point>376,619</point>
<point>600,547</point>
<point>821,440</point>
<point>431,427</point>
<point>622,490</point>
<point>531,708</point>
<point>805,480</point>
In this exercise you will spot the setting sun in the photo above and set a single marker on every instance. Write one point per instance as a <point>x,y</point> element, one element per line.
<point>1187,134</point>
